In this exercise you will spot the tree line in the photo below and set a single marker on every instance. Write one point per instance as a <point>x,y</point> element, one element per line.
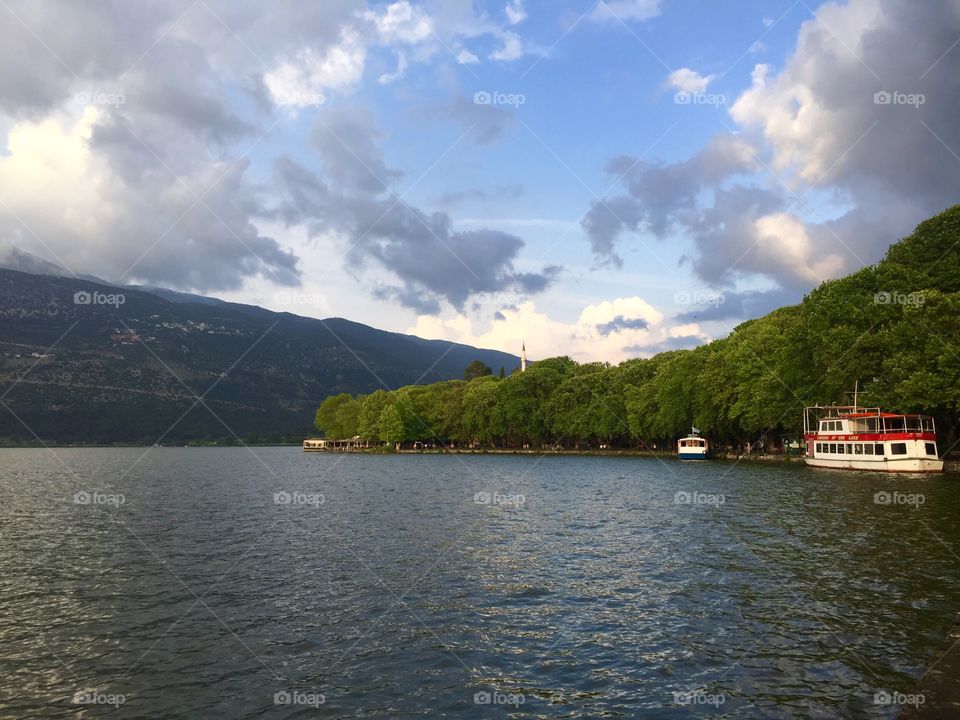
<point>892,326</point>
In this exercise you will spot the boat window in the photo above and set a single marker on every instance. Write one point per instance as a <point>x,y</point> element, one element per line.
<point>868,449</point>
<point>833,447</point>
<point>895,423</point>
<point>898,448</point>
<point>913,423</point>
<point>878,448</point>
<point>931,448</point>
<point>871,424</point>
<point>858,449</point>
<point>849,448</point>
<point>818,447</point>
<point>840,448</point>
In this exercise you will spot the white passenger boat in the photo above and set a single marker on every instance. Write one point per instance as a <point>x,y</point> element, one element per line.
<point>693,447</point>
<point>859,438</point>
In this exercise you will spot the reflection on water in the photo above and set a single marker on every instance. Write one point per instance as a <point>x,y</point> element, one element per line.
<point>222,583</point>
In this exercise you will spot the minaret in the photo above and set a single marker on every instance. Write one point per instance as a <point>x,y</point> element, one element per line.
<point>523,357</point>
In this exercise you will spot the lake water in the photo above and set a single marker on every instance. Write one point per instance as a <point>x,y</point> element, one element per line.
<point>181,585</point>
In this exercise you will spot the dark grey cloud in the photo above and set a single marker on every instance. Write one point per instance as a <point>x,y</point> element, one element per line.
<point>431,260</point>
<point>659,197</point>
<point>346,141</point>
<point>459,197</point>
<point>621,323</point>
<point>686,342</point>
<point>741,305</point>
<point>486,123</point>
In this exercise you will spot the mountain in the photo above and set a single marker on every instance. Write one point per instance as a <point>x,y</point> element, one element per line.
<point>82,361</point>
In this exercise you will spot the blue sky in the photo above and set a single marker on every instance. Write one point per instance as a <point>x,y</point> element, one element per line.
<point>342,158</point>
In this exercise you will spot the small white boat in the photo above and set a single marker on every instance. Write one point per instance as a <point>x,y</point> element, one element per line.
<point>693,447</point>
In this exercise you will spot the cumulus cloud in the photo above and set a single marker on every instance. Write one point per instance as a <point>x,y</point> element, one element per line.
<point>147,106</point>
<point>138,227</point>
<point>609,331</point>
<point>863,109</point>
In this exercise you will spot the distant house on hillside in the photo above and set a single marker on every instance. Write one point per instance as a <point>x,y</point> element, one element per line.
<point>125,336</point>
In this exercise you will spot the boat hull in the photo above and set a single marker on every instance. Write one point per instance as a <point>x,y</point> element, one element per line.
<point>894,465</point>
<point>693,456</point>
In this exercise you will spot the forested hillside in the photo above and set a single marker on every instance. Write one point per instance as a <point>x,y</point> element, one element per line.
<point>133,371</point>
<point>894,327</point>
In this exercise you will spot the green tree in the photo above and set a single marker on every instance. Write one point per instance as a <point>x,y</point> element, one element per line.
<point>392,429</point>
<point>338,416</point>
<point>476,369</point>
<point>371,407</point>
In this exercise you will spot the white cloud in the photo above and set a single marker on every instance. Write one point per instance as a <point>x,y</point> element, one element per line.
<point>512,48</point>
<point>401,22</point>
<point>783,239</point>
<point>625,10</point>
<point>465,57</point>
<point>610,331</point>
<point>515,12</point>
<point>687,80</point>
<point>301,82</point>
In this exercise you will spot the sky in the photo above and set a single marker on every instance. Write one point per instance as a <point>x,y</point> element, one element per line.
<point>601,180</point>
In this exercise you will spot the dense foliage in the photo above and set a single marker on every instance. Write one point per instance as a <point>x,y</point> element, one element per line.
<point>892,326</point>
